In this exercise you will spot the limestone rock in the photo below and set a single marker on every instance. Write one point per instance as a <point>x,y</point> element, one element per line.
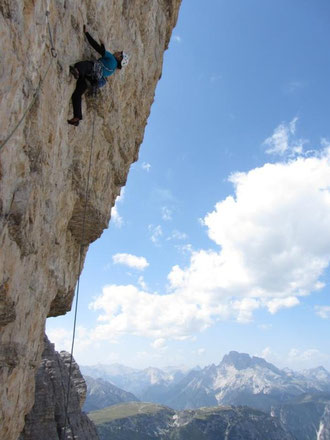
<point>47,417</point>
<point>44,164</point>
<point>75,376</point>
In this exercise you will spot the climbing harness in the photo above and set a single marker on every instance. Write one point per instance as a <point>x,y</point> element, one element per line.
<point>79,272</point>
<point>96,79</point>
<point>36,93</point>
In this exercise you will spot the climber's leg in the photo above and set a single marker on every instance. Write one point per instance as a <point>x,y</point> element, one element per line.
<point>84,67</point>
<point>81,88</point>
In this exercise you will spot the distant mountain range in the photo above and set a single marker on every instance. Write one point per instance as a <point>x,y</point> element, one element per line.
<point>239,379</point>
<point>298,402</point>
<point>139,382</point>
<point>141,421</point>
<point>101,393</point>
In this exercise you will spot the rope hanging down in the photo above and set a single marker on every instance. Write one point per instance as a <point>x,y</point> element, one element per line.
<point>36,93</point>
<point>79,272</point>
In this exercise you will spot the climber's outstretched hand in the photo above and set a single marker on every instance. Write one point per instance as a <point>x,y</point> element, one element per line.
<point>84,28</point>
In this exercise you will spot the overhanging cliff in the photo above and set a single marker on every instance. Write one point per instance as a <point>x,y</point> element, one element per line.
<point>44,165</point>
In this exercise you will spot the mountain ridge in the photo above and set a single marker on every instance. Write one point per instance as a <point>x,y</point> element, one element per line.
<point>143,421</point>
<point>239,379</point>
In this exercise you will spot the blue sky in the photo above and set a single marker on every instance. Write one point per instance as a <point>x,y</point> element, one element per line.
<point>221,240</point>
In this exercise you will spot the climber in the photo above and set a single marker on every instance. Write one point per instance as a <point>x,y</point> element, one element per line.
<point>95,72</point>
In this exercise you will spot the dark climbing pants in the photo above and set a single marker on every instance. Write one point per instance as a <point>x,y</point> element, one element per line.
<point>84,68</point>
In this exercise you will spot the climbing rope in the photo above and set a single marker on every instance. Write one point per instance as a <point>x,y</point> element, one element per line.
<point>36,93</point>
<point>79,272</point>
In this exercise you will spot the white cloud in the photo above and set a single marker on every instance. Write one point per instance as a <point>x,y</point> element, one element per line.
<point>295,355</point>
<point>323,311</point>
<point>282,141</point>
<point>115,216</point>
<point>62,338</point>
<point>142,283</point>
<point>159,344</point>
<point>267,256</point>
<point>276,304</point>
<point>146,166</point>
<point>295,358</point>
<point>266,353</point>
<point>130,260</point>
<point>166,213</point>
<point>126,309</point>
<point>245,309</point>
<point>156,233</point>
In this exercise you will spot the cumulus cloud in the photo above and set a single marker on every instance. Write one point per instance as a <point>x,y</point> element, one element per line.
<point>283,140</point>
<point>266,256</point>
<point>130,260</point>
<point>276,304</point>
<point>323,311</point>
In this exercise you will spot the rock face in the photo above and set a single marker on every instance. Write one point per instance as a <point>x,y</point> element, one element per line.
<point>143,421</point>
<point>47,417</point>
<point>44,165</point>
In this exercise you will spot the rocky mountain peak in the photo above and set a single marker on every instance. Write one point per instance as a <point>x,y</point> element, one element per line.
<point>242,361</point>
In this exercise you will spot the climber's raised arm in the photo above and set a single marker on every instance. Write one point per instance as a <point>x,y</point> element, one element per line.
<point>98,47</point>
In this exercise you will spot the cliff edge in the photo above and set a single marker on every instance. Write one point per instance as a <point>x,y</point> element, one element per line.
<point>44,165</point>
<point>47,417</point>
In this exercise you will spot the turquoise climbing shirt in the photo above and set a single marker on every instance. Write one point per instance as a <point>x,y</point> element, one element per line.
<point>109,64</point>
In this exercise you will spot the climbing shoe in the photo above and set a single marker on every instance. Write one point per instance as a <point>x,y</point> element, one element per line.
<point>74,72</point>
<point>74,121</point>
